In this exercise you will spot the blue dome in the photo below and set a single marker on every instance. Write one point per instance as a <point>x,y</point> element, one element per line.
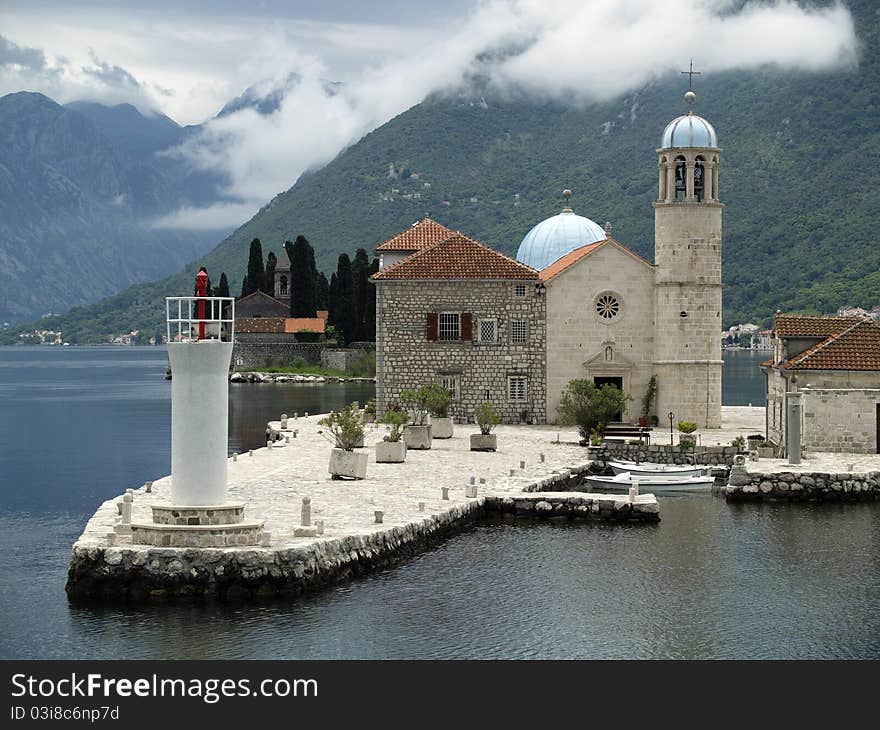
<point>689,130</point>
<point>551,239</point>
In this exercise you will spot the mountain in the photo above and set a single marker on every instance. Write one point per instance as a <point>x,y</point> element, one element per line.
<point>800,178</point>
<point>266,98</point>
<point>77,199</point>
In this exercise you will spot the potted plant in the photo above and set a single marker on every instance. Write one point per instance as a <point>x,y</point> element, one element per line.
<point>595,444</point>
<point>648,401</point>
<point>391,450</point>
<point>370,411</point>
<point>739,442</point>
<point>766,450</point>
<point>417,434</point>
<point>347,431</point>
<point>687,440</point>
<point>438,400</point>
<point>487,418</point>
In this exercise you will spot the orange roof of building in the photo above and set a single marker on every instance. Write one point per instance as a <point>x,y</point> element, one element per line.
<point>803,325</point>
<point>572,257</point>
<point>854,348</point>
<point>457,257</point>
<point>292,325</point>
<point>419,235</point>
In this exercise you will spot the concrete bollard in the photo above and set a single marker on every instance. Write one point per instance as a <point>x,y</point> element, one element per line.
<point>269,444</point>
<point>149,487</point>
<point>482,481</point>
<point>421,506</point>
<point>319,527</point>
<point>633,493</point>
<point>130,492</point>
<point>287,439</point>
<point>284,423</point>
<point>542,458</point>
<point>305,515</point>
<point>295,416</point>
<point>473,481</point>
<point>378,515</point>
<point>126,509</point>
<point>471,491</point>
<point>251,452</point>
<point>445,492</point>
<point>512,472</point>
<point>234,456</point>
<point>522,465</point>
<point>307,414</point>
<point>635,486</point>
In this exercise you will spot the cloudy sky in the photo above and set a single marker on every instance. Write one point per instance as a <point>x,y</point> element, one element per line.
<point>186,58</point>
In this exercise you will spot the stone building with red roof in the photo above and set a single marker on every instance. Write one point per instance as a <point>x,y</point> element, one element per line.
<point>834,363</point>
<point>574,304</point>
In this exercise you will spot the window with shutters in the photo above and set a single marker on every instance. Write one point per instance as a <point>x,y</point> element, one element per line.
<point>452,383</point>
<point>487,331</point>
<point>450,326</point>
<point>517,387</point>
<point>519,332</point>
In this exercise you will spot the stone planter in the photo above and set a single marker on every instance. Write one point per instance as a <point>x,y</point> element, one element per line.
<point>593,452</point>
<point>351,464</point>
<point>441,428</point>
<point>766,452</point>
<point>417,437</point>
<point>484,442</point>
<point>390,452</point>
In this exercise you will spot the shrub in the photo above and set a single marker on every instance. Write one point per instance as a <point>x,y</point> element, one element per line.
<point>687,426</point>
<point>370,407</point>
<point>308,336</point>
<point>416,401</point>
<point>590,408</point>
<point>345,426</point>
<point>739,442</point>
<point>486,417</point>
<point>438,399</point>
<point>364,367</point>
<point>650,394</point>
<point>595,438</point>
<point>395,420</point>
<point>299,363</point>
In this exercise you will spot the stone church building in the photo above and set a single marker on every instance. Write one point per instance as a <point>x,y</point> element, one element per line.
<point>576,303</point>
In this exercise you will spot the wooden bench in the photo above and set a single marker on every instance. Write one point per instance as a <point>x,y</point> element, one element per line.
<point>614,432</point>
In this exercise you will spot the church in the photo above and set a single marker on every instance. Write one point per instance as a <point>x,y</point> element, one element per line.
<point>575,303</point>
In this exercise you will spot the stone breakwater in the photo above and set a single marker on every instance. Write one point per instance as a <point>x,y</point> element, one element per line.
<point>260,377</point>
<point>665,454</point>
<point>140,572</point>
<point>792,486</point>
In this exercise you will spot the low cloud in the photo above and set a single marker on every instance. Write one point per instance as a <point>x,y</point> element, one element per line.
<point>561,49</point>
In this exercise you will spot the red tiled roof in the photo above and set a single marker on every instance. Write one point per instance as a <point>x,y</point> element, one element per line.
<point>457,257</point>
<point>854,348</point>
<point>266,325</point>
<point>572,257</point>
<point>801,325</point>
<point>292,325</point>
<point>419,235</point>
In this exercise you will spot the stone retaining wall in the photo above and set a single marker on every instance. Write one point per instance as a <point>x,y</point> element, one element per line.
<point>798,487</point>
<point>249,354</point>
<point>138,573</point>
<point>665,454</point>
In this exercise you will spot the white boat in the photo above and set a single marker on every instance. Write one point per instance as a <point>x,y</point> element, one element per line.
<point>652,483</point>
<point>668,470</point>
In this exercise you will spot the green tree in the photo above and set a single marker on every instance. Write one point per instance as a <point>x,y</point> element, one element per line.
<point>590,408</point>
<point>269,275</point>
<point>303,278</point>
<point>362,291</point>
<point>332,299</point>
<point>245,287</point>
<point>222,289</point>
<point>345,307</point>
<point>255,271</point>
<point>322,288</point>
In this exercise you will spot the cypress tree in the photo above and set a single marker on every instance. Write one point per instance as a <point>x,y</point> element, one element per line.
<point>269,275</point>
<point>362,289</point>
<point>370,317</point>
<point>245,287</point>
<point>255,271</point>
<point>322,287</point>
<point>346,319</point>
<point>223,287</point>
<point>303,278</point>
<point>332,298</point>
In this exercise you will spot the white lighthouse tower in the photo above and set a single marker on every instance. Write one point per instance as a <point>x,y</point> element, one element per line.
<point>687,252</point>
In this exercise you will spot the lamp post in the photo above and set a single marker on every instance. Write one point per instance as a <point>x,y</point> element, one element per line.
<point>671,417</point>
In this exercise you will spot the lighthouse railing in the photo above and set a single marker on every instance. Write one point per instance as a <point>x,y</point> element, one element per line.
<point>185,323</point>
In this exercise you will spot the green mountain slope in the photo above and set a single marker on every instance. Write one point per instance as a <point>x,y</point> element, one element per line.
<point>800,178</point>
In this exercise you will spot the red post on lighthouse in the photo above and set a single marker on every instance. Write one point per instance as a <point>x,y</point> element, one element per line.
<point>201,292</point>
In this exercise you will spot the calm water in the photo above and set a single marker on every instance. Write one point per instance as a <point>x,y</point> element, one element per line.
<point>711,580</point>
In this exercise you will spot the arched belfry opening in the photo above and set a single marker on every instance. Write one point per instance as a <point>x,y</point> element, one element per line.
<point>680,178</point>
<point>699,172</point>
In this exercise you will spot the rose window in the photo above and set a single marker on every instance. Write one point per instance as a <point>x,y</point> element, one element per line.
<point>607,306</point>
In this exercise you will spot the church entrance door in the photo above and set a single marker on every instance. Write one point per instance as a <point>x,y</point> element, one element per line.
<point>617,382</point>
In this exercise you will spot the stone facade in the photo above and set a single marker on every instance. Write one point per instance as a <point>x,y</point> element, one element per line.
<point>842,419</point>
<point>581,343</point>
<point>342,358</point>
<point>407,359</point>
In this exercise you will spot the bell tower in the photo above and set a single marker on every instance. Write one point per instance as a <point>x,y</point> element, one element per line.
<point>687,253</point>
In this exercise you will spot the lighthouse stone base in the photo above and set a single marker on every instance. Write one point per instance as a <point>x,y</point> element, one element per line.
<point>197,526</point>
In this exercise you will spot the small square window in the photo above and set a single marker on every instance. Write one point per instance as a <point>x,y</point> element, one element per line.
<point>487,331</point>
<point>517,387</point>
<point>520,290</point>
<point>449,326</point>
<point>452,383</point>
<point>519,331</point>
